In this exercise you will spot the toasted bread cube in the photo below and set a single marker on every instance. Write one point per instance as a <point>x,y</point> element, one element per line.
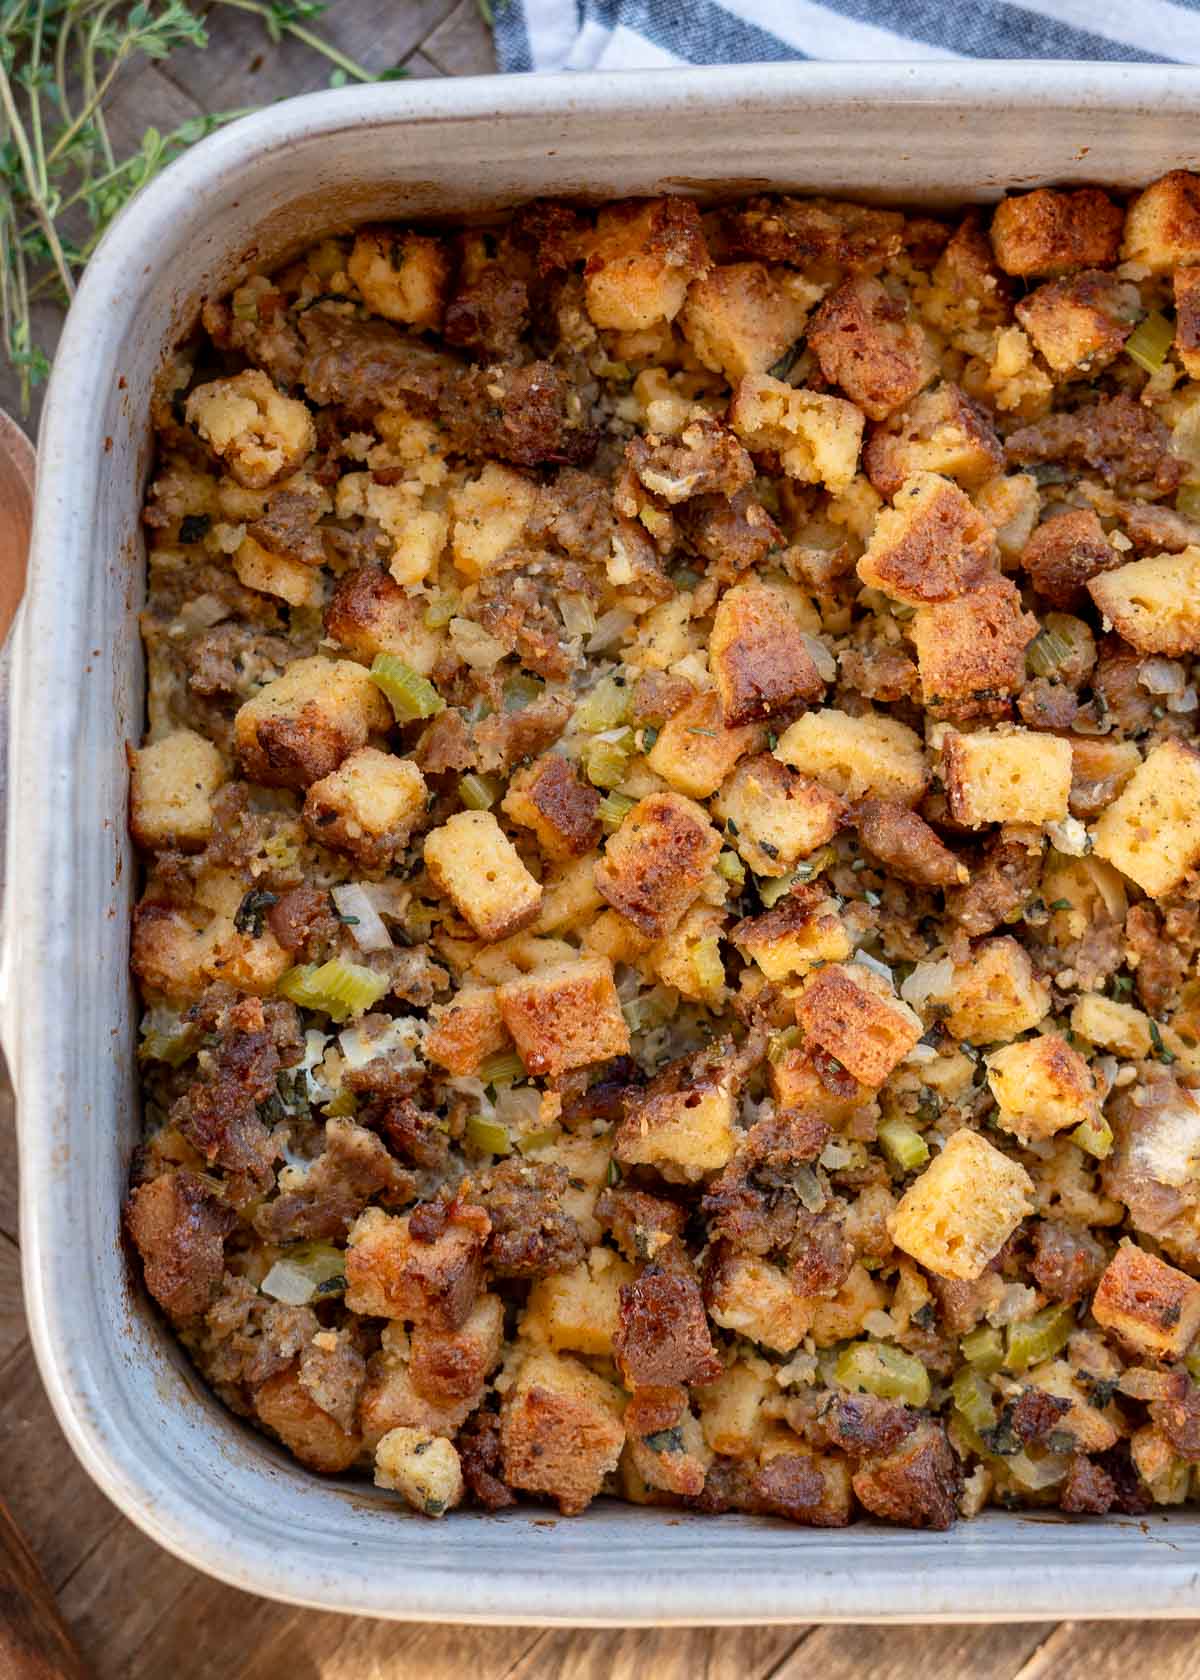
<point>1010,504</point>
<point>418,534</point>
<point>796,1084</point>
<point>367,806</point>
<point>775,816</point>
<point>844,1316</point>
<point>867,342</point>
<point>1154,603</point>
<point>369,613</point>
<point>1154,1308</point>
<point>300,727</point>
<point>682,959</point>
<point>1092,1431</point>
<point>391,1274</point>
<point>731,1410</point>
<point>800,932</point>
<point>569,897</point>
<point>1019,776</point>
<point>971,651</point>
<point>1050,233</point>
<point>685,1130</point>
<point>695,750</point>
<point>867,1030</point>
<point>473,862</point>
<point>941,432</point>
<point>402,276</point>
<point>277,574</point>
<point>308,1433</point>
<point>1041,1086</point>
<point>758,655</point>
<point>995,994</point>
<point>447,1370</point>
<point>1151,832</point>
<point>560,1430</point>
<point>171,784</point>
<point>488,515</point>
<point>424,1468</point>
<point>1186,283</point>
<point>642,258</point>
<point>563,812</point>
<point>1111,1025</point>
<point>969,293</point>
<point>656,863</point>
<point>1080,324</point>
<point>390,1400</point>
<point>169,952</point>
<point>753,1298</point>
<point>564,1016</point>
<point>809,1487</point>
<point>1100,769</point>
<point>741,317</point>
<point>964,1207</point>
<point>931,545</point>
<point>250,962</point>
<point>1064,553</point>
<point>463,1032</point>
<point>1162,225</point>
<point>579,1311</point>
<point>817,437</point>
<point>260,434</point>
<point>857,756</point>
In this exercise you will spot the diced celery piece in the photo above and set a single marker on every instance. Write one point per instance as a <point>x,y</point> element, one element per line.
<point>730,865</point>
<point>338,987</point>
<point>782,1042</point>
<point>772,888</point>
<point>478,793</point>
<point>521,691</point>
<point>605,707</point>
<point>1040,1337</point>
<point>1150,340</point>
<point>502,1068</point>
<point>441,609</point>
<point>1095,1136</point>
<point>614,808</point>
<point>411,695</point>
<point>706,963</point>
<point>649,1009</point>
<point>888,1372</point>
<point>903,1145</point>
<point>1046,652</point>
<point>973,1398</point>
<point>1187,502</point>
<point>542,1139</point>
<point>488,1136</point>
<point>984,1348</point>
<point>606,762</point>
<point>342,1106</point>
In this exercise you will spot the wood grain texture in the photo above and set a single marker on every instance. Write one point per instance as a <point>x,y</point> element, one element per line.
<point>34,1643</point>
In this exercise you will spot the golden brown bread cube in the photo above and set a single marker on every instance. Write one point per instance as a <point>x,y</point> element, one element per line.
<point>775,816</point>
<point>741,317</point>
<point>749,1296</point>
<point>641,259</point>
<point>1186,283</point>
<point>170,951</point>
<point>171,784</point>
<point>488,515</point>
<point>1080,324</point>
<point>971,651</point>
<point>867,1030</point>
<point>867,342</point>
<point>695,750</point>
<point>564,1016</point>
<point>681,1124</point>
<point>277,574</point>
<point>816,436</point>
<point>179,1227</point>
<point>857,755</point>
<point>1153,1307</point>
<point>995,994</point>
<point>402,276</point>
<point>941,431</point>
<point>369,613</point>
<point>797,1084</point>
<point>1151,831</point>
<point>816,231</point>
<point>260,434</point>
<point>1041,1085</point>
<point>1162,226</point>
<point>731,1409</point>
<point>758,656</point>
<point>1047,233</point>
<point>655,864</point>
<point>448,1368</point>
<point>1112,1025</point>
<point>932,544</point>
<point>1064,553</point>
<point>390,1273</point>
<point>1154,603</point>
<point>424,1468</point>
<point>1017,776</point>
<point>963,1208</point>
<point>800,932</point>
<point>473,862</point>
<point>418,534</point>
<point>466,1030</point>
<point>562,811</point>
<point>578,1311</point>
<point>308,1433</point>
<point>367,806</point>
<point>561,1432</point>
<point>300,727</point>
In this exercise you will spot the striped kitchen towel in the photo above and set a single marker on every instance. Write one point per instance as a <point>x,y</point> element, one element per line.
<point>641,34</point>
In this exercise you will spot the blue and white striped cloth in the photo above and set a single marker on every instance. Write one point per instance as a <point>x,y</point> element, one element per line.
<point>643,34</point>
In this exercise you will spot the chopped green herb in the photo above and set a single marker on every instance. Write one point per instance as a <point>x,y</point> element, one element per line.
<point>248,918</point>
<point>1160,1049</point>
<point>1060,904</point>
<point>665,1440</point>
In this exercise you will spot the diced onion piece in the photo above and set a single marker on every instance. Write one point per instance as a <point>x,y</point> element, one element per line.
<point>488,1136</point>
<point>610,628</point>
<point>821,657</point>
<point>502,1068</point>
<point>904,1147</point>
<point>874,964</point>
<point>1037,1473</point>
<point>297,1276</point>
<point>474,646</point>
<point>440,611</point>
<point>1095,1137</point>
<point>606,762</point>
<point>360,915</point>
<point>1162,676</point>
<point>411,695</point>
<point>887,1372</point>
<point>649,1009</point>
<point>577,614</point>
<point>730,865</point>
<point>1148,343</point>
<point>529,1142</point>
<point>519,1107</point>
<point>928,980</point>
<point>478,793</point>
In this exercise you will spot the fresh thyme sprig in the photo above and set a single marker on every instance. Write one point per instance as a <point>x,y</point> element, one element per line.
<point>61,181</point>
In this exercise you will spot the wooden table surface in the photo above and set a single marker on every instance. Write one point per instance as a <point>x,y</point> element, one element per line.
<point>138,1613</point>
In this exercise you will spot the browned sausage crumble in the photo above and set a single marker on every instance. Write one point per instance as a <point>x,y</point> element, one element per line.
<point>671,809</point>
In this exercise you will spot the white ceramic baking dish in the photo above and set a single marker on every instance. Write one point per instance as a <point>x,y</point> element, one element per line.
<point>169,1456</point>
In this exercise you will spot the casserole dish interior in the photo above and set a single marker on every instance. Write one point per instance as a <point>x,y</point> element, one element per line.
<point>166,1451</point>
